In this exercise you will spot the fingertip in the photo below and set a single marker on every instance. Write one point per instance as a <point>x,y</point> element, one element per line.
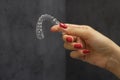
<point>54,28</point>
<point>75,55</point>
<point>85,51</point>
<point>62,25</point>
<point>68,38</point>
<point>80,53</point>
<point>78,46</point>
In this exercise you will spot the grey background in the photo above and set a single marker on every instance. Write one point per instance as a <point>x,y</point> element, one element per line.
<point>104,16</point>
<point>23,57</point>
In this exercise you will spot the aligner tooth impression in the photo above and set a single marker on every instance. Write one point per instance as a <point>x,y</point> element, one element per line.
<point>39,26</point>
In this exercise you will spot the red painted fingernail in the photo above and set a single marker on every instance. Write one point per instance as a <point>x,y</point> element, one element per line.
<point>78,46</point>
<point>63,25</point>
<point>86,51</point>
<point>69,39</point>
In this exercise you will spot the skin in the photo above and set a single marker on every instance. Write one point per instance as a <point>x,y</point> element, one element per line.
<point>103,53</point>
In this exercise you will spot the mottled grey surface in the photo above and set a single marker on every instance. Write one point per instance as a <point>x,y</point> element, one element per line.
<point>104,16</point>
<point>22,56</point>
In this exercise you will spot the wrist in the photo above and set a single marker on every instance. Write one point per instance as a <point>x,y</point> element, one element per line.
<point>113,63</point>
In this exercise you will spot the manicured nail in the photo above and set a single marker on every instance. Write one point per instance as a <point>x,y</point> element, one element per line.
<point>69,39</point>
<point>78,46</point>
<point>86,51</point>
<point>63,25</point>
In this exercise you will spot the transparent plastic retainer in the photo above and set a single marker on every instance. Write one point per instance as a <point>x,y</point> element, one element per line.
<point>39,26</point>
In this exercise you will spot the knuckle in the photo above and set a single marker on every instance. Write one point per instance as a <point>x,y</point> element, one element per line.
<point>86,27</point>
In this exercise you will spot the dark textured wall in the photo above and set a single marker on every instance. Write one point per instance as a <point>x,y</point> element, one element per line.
<point>22,56</point>
<point>104,16</point>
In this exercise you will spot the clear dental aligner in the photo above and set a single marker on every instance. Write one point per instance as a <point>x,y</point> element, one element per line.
<point>39,26</point>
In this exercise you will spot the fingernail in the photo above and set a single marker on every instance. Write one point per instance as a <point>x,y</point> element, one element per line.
<point>63,25</point>
<point>86,51</point>
<point>69,39</point>
<point>78,46</point>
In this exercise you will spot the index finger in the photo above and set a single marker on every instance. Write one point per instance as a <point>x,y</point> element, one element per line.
<point>55,28</point>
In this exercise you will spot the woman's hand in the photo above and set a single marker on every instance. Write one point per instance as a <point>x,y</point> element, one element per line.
<point>89,45</point>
